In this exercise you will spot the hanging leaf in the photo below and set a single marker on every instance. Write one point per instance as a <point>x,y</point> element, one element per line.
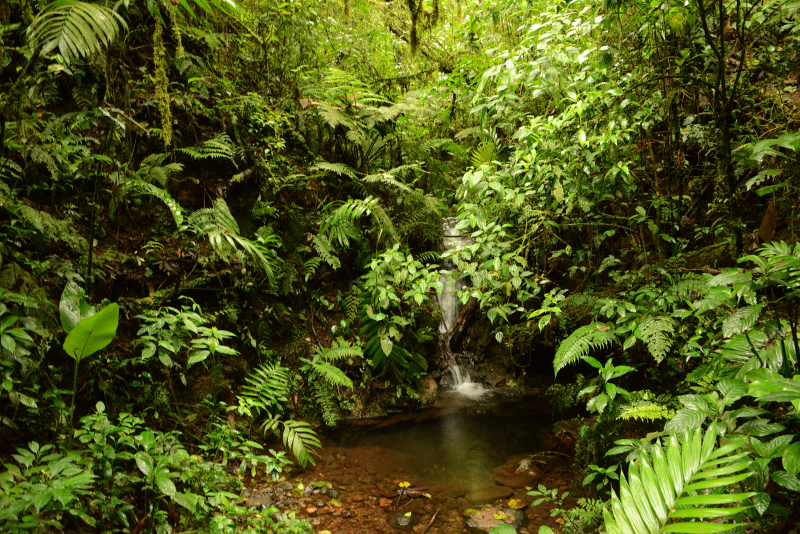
<point>769,222</point>
<point>73,307</point>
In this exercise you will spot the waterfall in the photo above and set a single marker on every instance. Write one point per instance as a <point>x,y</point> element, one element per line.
<point>448,301</point>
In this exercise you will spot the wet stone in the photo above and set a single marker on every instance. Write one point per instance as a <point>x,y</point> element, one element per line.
<point>486,520</point>
<point>405,521</point>
<point>259,501</point>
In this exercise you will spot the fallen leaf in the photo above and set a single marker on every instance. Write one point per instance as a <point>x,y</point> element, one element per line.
<point>385,503</point>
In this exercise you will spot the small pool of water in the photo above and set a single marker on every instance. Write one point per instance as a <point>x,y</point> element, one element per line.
<point>458,441</point>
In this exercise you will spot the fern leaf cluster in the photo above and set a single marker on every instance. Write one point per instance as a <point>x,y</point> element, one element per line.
<point>325,251</point>
<point>219,147</point>
<point>657,333</point>
<point>645,411</point>
<point>222,231</point>
<point>581,342</point>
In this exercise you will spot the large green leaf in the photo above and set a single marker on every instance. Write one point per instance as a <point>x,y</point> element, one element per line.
<point>93,333</point>
<point>77,29</point>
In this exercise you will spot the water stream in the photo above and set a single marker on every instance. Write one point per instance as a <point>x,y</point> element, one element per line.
<point>459,367</point>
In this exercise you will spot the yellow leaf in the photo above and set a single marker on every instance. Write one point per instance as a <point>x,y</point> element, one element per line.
<point>407,514</point>
<point>500,516</point>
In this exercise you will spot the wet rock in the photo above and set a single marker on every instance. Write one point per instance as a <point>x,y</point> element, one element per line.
<point>427,390</point>
<point>258,501</point>
<point>357,498</point>
<point>517,472</point>
<point>486,520</point>
<point>333,494</point>
<point>286,486</point>
<point>489,494</point>
<point>405,521</point>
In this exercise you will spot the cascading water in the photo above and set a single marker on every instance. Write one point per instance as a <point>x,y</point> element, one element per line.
<point>448,300</point>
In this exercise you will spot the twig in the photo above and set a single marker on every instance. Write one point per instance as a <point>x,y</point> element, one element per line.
<point>431,521</point>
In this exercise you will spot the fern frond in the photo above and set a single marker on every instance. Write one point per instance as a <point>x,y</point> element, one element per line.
<point>325,251</point>
<point>300,438</point>
<point>334,116</point>
<point>219,147</point>
<point>341,349</point>
<point>149,189</point>
<point>268,385</point>
<point>580,342</point>
<point>656,332</point>
<point>77,29</point>
<point>645,411</point>
<point>326,401</point>
<point>483,154</point>
<point>9,170</point>
<point>666,484</point>
<point>222,231</point>
<point>336,224</point>
<point>741,320</point>
<point>336,168</point>
<point>385,223</point>
<point>433,144</point>
<point>50,227</point>
<point>352,302</point>
<point>690,286</point>
<point>332,374</point>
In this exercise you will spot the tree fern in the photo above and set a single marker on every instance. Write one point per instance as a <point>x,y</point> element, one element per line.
<point>77,29</point>
<point>581,342</point>
<point>657,333</point>
<point>663,485</point>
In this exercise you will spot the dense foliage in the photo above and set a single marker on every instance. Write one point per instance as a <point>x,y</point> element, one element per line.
<point>221,220</point>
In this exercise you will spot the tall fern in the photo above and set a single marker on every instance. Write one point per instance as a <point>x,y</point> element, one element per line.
<point>671,484</point>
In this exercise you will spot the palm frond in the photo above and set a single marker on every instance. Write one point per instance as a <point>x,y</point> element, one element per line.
<point>670,483</point>
<point>77,29</point>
